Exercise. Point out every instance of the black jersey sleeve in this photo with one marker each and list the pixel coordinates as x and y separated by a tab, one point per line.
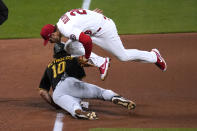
45	82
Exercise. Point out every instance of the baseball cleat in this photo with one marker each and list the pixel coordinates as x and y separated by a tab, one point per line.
86	115
160	60
124	102
104	68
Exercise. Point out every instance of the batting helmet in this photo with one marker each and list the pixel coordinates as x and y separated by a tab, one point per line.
59	51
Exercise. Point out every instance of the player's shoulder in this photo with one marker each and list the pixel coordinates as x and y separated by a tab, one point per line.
50	64
65	28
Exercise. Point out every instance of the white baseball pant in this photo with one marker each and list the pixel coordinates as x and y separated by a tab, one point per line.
108	39
69	93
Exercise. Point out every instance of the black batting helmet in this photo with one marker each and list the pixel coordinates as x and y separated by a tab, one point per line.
59	51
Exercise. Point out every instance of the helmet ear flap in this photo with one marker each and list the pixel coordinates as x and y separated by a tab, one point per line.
59	50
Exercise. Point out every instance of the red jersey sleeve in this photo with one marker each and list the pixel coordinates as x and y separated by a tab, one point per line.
87	43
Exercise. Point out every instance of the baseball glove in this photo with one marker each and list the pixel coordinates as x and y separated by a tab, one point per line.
84	62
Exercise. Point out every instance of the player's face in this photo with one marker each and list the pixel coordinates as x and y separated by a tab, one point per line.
55	37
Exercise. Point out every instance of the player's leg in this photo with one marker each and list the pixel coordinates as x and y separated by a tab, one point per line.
66	102
117	49
107	95
76	49
109	40
82	89
102	64
71	104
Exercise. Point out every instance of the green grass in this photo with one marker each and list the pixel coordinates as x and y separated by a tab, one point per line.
27	17
151	16
143	129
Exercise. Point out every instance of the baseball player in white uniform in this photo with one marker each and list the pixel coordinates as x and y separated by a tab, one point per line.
87	27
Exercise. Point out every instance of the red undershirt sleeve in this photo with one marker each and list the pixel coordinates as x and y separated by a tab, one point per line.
87	43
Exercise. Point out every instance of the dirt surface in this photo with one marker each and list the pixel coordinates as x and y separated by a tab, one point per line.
164	99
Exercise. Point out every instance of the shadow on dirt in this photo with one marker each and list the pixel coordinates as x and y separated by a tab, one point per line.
24	102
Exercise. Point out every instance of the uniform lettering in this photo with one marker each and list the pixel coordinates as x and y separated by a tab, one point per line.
65	18
59	60
78	11
60	68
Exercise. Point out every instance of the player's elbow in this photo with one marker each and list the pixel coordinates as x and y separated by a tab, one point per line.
84	38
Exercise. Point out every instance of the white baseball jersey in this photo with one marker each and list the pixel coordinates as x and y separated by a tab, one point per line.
72	23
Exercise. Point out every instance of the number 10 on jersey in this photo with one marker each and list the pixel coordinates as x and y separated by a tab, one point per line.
60	68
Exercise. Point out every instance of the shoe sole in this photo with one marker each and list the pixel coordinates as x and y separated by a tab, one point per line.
84	116
128	104
107	66
155	50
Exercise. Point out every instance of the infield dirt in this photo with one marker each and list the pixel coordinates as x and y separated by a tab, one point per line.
164	99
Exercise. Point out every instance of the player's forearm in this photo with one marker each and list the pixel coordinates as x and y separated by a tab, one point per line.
47	97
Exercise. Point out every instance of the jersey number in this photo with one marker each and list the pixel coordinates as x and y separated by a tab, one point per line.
60	68
78	11
73	12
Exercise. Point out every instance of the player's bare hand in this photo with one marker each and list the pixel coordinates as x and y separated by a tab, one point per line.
98	11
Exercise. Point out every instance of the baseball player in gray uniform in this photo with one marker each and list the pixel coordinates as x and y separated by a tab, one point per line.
87	27
64	74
